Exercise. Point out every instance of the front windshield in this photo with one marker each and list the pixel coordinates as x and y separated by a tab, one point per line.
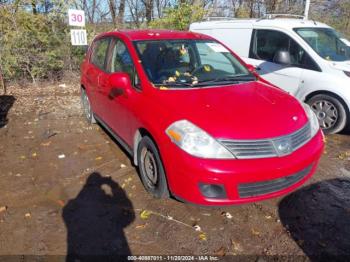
190	63
327	43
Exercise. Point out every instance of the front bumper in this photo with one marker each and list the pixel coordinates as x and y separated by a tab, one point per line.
282	174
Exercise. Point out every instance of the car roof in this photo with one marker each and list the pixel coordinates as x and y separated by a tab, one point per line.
286	23
156	34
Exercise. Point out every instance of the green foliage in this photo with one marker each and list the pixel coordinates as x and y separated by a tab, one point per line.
339	18
35	46
179	17
242	12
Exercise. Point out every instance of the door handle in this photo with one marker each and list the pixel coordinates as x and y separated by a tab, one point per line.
115	92
257	68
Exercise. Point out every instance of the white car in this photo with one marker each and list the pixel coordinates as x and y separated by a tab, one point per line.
308	59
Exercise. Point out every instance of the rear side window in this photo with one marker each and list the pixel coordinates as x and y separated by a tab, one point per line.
266	44
99	53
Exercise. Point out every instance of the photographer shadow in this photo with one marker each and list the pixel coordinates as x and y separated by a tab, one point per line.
95	220
318	219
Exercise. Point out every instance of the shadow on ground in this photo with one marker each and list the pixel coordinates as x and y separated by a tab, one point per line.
6	102
95	220
318	218
346	131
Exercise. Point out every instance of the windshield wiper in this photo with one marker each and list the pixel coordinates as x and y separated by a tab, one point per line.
175	84
229	79
223	80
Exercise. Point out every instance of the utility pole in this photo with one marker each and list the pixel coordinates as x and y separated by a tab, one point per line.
307	7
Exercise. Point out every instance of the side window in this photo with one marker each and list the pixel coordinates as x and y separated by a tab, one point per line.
99	52
121	61
266	44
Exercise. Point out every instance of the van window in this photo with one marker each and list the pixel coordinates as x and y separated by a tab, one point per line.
99	53
266	44
326	42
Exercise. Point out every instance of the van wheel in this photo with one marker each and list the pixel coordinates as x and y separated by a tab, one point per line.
87	107
151	168
330	111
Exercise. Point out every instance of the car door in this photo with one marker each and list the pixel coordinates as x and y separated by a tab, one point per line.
120	114
96	72
265	45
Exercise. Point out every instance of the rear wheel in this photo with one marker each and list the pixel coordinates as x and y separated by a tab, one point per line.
87	107
330	111
151	168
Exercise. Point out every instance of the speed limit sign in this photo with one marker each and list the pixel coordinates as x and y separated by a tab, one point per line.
78	37
76	17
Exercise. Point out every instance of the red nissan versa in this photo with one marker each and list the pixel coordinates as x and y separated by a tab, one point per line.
198	124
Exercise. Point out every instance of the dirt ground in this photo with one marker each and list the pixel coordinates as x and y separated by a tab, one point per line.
67	187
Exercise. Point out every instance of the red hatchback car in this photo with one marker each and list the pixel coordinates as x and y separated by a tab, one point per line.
197	122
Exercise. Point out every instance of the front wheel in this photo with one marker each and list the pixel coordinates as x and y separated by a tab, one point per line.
87	107
151	168
330	111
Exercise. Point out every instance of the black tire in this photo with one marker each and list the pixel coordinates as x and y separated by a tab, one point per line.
147	157
89	114
329	108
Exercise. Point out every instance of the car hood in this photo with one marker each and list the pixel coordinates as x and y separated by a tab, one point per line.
244	111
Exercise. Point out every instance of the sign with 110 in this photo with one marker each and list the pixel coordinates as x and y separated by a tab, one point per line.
78	37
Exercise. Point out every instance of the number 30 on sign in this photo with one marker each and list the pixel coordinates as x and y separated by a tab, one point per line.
78	36
76	17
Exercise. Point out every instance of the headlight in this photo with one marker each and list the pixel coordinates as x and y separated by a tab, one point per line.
195	141
312	119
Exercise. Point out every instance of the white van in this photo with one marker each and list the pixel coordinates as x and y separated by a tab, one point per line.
308	59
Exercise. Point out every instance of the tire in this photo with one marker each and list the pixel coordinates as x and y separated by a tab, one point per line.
89	114
151	168
330	111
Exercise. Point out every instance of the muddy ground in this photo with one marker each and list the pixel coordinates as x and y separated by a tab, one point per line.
66	186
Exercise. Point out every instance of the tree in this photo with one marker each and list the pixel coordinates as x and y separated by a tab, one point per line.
136	12
148	4
112	11
179	17
31	45
121	12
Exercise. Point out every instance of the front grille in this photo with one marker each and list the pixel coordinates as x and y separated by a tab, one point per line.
250	149
262	148
300	137
265	187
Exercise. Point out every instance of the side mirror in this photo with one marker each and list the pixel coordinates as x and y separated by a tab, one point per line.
118	82
282	57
